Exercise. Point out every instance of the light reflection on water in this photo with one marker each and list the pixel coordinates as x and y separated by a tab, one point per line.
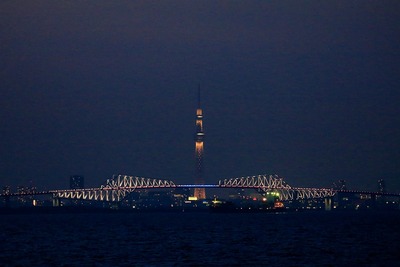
182	239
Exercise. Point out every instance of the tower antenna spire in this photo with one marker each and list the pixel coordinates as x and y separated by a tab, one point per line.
199	97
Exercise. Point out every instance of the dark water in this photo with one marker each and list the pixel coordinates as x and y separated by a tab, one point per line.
201	239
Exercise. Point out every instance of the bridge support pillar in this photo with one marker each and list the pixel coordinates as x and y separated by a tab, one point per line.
56	202
328	203
296	202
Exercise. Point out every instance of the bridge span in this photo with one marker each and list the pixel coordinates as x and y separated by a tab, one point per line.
119	186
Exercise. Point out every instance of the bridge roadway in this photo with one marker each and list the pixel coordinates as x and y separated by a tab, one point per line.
50	192
118	187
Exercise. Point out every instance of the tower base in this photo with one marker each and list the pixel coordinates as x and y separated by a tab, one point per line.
199	193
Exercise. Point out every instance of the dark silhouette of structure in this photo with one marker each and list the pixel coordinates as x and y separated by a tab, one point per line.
381	186
199	193
340	185
76	182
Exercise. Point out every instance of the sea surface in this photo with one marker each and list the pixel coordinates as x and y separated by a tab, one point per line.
201	239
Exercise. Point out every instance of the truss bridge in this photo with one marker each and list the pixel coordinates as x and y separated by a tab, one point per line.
115	189
119	186
275	183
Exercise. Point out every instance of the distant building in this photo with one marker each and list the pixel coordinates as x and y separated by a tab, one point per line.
5	201
76	182
26	195
340	185
381	186
6	190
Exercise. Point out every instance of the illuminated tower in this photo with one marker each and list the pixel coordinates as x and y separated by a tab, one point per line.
200	193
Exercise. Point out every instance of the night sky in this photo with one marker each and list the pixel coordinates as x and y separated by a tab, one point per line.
308	90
